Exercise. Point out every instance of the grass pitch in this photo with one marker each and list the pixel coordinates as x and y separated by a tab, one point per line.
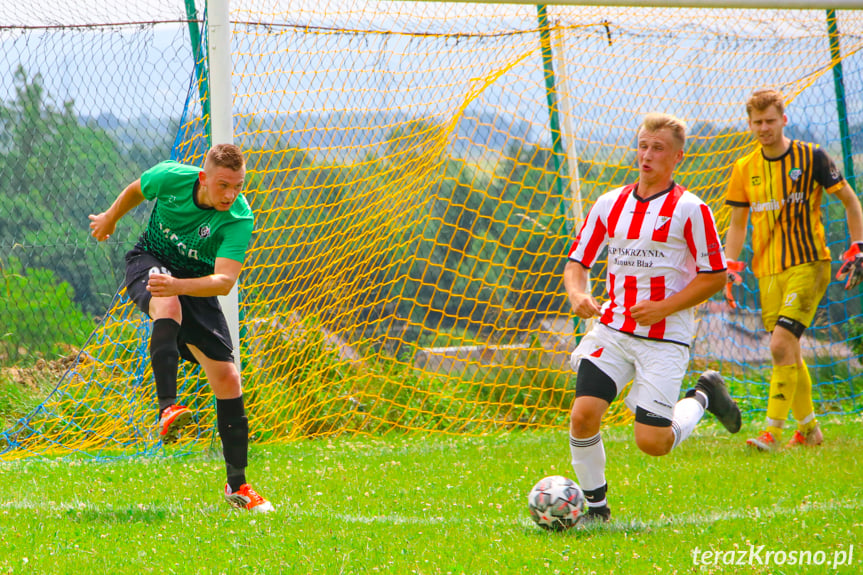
432	504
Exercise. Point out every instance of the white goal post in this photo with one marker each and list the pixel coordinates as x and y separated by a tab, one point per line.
222	125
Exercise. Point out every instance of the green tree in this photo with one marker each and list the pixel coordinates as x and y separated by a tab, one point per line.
37	315
59	171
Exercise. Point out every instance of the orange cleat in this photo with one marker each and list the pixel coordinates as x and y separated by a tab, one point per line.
247	498
814	437
174	419
764	442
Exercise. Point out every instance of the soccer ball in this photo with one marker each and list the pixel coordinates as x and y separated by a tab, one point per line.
556	503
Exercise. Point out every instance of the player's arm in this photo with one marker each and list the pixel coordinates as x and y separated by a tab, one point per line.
103	225
736	235
851	270
825	172
853	212
702	286
575	281
220	282
734	239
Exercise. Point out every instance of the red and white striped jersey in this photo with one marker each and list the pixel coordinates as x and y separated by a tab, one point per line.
655	248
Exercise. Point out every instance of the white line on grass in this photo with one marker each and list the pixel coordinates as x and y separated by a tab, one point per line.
752	513
462	517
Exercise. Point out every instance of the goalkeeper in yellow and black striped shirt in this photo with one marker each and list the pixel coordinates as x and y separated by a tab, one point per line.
779	186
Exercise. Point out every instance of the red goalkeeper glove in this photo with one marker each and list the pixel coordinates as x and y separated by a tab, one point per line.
851	269
735	268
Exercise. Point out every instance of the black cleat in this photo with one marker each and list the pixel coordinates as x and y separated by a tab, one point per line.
719	401
596	516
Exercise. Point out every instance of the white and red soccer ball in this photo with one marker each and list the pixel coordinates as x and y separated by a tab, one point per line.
556	503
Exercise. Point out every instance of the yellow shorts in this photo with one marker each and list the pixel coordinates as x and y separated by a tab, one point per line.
794	293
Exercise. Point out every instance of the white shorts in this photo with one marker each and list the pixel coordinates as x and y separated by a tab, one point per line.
655	368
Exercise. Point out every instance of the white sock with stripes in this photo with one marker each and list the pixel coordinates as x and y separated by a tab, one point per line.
588	462
687	413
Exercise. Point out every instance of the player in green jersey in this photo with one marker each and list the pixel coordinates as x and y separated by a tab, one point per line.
191	252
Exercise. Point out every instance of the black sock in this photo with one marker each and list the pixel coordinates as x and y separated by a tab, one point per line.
165	358
595	496
234	431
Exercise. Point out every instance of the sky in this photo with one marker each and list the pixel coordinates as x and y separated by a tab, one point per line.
432	65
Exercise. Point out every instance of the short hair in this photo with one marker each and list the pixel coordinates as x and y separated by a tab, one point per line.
762	99
225	156
655	121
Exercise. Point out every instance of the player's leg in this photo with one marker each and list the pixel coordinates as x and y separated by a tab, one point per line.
772	289
658	432
601	366
166	313
167	316
789	302
231	417
206	336
659	371
661	421
594	391
785	352
808	431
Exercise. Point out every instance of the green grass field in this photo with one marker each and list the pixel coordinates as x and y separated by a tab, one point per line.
432	504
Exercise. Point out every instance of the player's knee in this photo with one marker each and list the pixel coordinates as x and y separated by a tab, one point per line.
653	432
231	384
166	307
584	420
655	445
594	391
226	383
785	340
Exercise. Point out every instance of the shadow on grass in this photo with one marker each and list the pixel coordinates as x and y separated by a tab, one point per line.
580	532
131	514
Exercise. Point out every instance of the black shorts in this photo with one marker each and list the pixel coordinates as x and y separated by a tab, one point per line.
204	324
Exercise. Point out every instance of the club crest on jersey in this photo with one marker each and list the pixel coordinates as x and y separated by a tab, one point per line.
794	174
756	180
204	231
661	221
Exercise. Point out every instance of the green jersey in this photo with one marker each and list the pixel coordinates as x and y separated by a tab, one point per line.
184	235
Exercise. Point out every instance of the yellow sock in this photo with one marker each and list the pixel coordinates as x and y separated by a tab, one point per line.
802	406
775	431
783	384
808	426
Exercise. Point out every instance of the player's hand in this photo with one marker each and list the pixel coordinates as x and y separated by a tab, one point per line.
735	268
647	312
584	306
162	285
101	226
851	269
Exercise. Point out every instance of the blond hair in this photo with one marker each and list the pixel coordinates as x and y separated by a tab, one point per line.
762	99
655	121
225	156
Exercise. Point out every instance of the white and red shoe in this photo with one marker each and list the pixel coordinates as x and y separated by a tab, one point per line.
764	442
172	422
814	437
247	498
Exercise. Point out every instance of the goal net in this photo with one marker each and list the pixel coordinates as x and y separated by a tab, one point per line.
418	171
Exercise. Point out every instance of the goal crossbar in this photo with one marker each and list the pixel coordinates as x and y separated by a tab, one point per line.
718	4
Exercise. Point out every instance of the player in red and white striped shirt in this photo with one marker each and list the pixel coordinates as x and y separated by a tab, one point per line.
664	258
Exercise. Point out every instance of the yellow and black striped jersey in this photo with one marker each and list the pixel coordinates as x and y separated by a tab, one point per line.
784	199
